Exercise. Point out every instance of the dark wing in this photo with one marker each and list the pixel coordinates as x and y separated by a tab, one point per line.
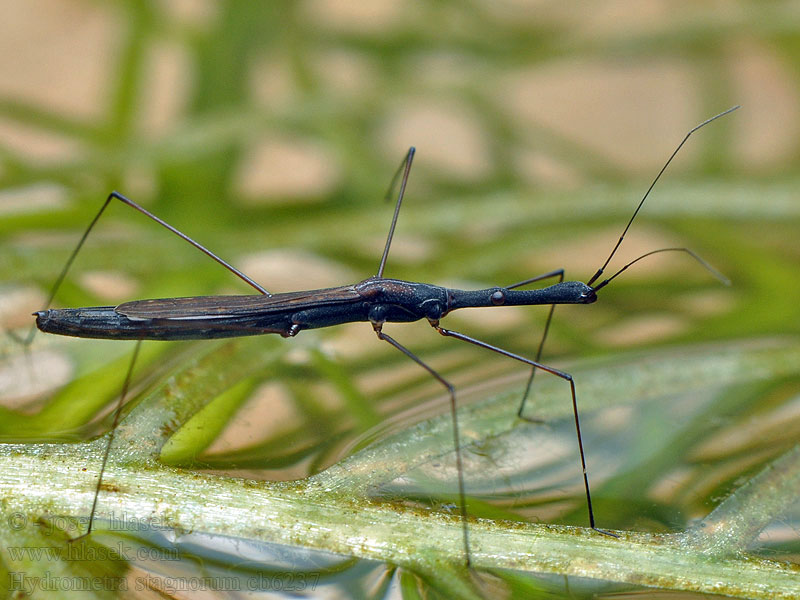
213	307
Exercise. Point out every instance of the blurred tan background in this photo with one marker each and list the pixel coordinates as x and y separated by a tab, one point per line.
269	132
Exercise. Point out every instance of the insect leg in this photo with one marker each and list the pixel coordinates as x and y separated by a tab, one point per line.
116	196
557	273
186	238
565	376
456	443
117	413
405	168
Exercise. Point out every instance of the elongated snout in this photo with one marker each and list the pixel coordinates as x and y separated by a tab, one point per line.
566	292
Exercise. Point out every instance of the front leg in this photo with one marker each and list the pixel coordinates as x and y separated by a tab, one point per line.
565	376
559	273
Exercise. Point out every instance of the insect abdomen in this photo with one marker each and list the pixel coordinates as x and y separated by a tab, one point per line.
104	322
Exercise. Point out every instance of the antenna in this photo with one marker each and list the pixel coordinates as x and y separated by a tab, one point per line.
724	280
647	193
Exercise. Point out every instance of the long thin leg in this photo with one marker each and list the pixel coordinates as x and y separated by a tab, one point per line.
111	434
557	273
566	376
60	279
462	500
186	238
112	196
405	167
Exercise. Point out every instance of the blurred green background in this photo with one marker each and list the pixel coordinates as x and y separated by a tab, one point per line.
269	132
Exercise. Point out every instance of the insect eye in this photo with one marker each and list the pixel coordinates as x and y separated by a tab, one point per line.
498	298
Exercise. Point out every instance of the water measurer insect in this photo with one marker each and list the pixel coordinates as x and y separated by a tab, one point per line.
377	300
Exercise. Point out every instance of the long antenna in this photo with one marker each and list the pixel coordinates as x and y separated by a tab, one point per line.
407	164
652	185
722	279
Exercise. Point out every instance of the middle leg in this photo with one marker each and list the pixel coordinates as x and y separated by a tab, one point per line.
462	501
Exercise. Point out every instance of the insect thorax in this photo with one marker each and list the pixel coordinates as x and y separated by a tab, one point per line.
395	300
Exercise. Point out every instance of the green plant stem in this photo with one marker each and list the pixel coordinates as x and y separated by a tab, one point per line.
305	514
333	511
